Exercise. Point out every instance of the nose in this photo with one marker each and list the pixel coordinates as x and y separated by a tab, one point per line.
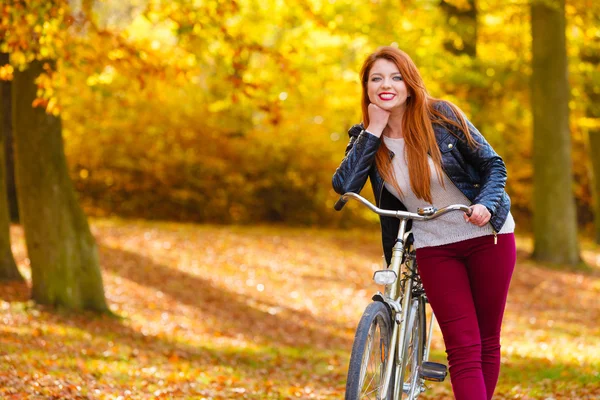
386	83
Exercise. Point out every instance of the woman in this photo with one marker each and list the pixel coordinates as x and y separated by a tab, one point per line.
419	152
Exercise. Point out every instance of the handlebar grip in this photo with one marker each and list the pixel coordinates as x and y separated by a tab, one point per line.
340	204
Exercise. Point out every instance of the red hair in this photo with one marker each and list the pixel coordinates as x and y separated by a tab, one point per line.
417	124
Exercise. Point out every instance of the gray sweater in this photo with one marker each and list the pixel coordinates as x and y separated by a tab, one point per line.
449	228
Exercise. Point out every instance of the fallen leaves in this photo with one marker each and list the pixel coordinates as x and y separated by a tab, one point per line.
224	312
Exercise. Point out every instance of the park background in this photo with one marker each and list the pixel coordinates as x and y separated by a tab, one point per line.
200	138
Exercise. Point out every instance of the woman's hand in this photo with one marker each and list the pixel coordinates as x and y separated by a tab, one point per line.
479	215
378	119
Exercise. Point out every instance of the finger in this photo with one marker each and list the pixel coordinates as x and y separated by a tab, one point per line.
476	219
484	221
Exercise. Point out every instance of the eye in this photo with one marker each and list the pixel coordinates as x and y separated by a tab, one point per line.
398	78
375	79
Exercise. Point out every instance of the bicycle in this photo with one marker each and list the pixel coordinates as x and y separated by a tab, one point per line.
391	343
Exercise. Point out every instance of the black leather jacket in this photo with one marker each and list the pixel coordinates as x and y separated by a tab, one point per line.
478	172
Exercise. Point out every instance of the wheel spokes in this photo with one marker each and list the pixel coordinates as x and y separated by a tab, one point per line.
372	366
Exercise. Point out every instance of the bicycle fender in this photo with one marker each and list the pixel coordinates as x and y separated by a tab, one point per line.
378	297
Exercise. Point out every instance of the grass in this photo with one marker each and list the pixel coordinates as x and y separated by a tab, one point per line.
265	312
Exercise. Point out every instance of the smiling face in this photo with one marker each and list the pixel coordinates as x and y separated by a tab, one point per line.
385	86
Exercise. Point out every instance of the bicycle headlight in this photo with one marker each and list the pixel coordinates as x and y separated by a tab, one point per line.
384	277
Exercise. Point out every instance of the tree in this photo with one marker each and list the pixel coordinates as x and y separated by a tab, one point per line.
462	24
591	57
461	42
64	259
8	268
8	146
554	213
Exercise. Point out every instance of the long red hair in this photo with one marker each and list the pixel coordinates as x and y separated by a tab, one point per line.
417	124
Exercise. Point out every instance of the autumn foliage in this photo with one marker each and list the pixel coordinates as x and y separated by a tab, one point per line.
235	112
230	111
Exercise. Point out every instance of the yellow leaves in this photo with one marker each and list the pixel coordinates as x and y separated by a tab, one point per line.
106	77
36	31
31	19
220	105
92	80
462	5
18	57
256	65
46	97
492	20
6	72
116	54
39	103
569	9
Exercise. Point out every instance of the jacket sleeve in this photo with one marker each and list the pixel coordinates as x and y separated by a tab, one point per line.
485	160
353	171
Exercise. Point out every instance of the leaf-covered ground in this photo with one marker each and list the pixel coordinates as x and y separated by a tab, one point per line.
221	312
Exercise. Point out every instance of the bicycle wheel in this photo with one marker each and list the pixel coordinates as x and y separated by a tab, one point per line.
413	350
369	355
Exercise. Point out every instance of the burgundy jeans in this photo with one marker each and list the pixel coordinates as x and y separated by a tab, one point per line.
467	284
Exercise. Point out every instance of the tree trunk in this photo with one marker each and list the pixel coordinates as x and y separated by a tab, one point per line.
591	54
594	143
8	268
64	258
554	213
463	24
8	146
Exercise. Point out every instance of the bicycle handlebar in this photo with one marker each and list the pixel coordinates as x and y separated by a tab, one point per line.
422	214
340	203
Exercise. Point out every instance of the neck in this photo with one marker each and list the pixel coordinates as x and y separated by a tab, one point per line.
394	126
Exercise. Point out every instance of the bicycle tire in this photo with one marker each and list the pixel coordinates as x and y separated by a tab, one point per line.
415	339
376	318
